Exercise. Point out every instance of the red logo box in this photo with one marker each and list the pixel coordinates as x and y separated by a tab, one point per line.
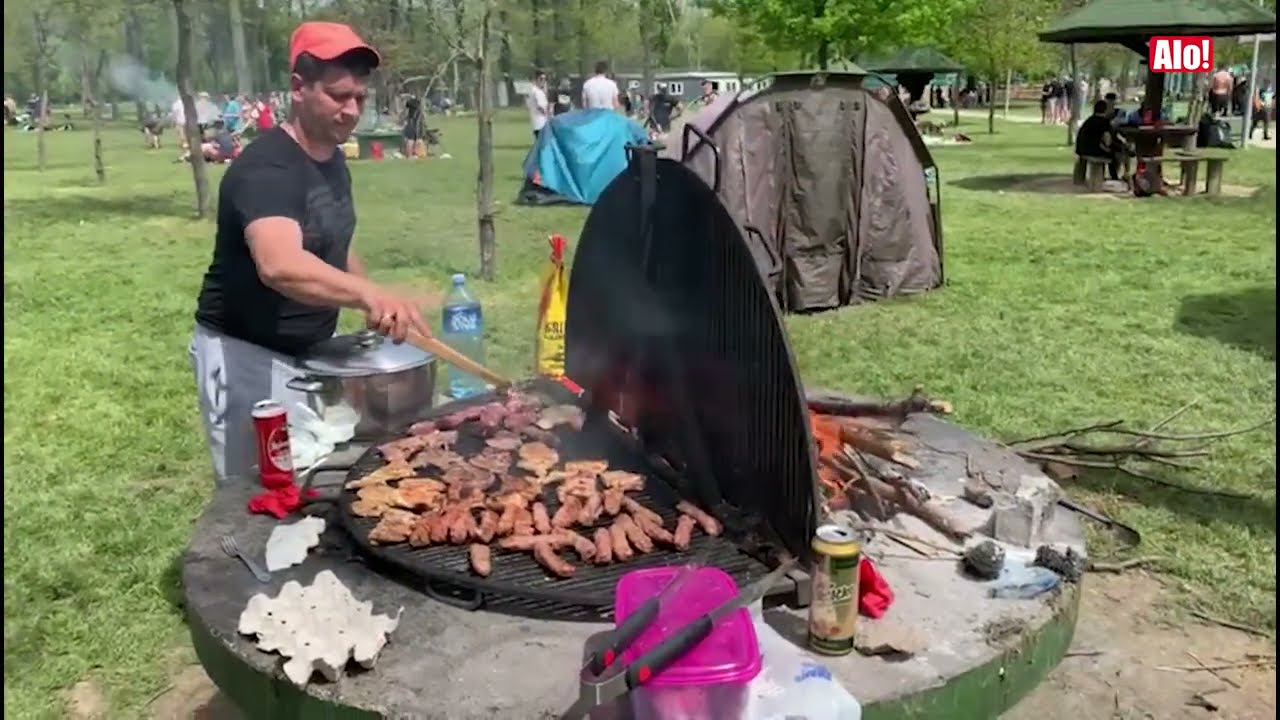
1180	53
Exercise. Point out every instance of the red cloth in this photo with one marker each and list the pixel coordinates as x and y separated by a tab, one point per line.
279	502
874	594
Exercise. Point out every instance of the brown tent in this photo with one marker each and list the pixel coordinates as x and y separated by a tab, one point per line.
829	181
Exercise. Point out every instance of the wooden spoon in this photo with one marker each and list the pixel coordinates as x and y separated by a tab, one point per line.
455	358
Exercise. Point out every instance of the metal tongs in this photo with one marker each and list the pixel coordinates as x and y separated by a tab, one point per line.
600	683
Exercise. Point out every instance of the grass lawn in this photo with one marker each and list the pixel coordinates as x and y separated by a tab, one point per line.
1059	311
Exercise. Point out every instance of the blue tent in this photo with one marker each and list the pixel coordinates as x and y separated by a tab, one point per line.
577	154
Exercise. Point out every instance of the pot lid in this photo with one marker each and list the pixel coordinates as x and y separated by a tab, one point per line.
362	353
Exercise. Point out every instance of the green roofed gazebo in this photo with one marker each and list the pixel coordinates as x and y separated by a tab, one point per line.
1132	23
913	67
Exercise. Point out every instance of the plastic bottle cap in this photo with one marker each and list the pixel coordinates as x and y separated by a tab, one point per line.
459	279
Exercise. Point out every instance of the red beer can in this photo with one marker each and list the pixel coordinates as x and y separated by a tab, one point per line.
275	458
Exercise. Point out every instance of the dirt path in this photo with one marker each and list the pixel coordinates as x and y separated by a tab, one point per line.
1121	620
1121	641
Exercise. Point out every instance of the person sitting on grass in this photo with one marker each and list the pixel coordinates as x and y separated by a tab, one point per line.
1097	138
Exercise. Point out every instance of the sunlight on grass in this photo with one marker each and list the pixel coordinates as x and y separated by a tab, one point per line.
1058	312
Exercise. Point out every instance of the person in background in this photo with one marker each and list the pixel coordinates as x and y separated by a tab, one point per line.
1220	85
1046	103
1098	138
1263	106
662	109
709	92
231	110
282	262
413	147
537	103
266	114
599	91
564	98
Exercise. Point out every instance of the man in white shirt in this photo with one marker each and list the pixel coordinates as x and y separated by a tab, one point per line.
536	101
599	91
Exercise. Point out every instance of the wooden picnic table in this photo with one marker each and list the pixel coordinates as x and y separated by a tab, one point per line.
1149	143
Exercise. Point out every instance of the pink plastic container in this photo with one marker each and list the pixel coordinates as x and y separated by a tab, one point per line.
710	681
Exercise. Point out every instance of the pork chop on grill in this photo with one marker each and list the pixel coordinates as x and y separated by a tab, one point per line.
438	457
395	526
383	475
492	459
623	480
504	440
557	415
538	458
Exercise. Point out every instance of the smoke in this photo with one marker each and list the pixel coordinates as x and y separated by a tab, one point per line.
132	78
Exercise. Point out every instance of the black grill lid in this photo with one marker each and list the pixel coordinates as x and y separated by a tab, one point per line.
670	325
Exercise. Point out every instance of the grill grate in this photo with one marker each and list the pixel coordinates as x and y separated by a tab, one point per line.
518	584
670	325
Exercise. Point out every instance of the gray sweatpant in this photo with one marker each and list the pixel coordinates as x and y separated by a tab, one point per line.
232	375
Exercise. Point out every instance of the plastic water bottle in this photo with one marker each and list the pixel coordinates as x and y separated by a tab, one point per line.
463	330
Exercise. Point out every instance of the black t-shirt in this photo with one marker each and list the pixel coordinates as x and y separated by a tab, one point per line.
1055	89
273	177
660	107
1089	136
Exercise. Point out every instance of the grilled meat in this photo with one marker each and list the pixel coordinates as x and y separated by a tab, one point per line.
622	480
654	530
394	526
586	467
709	525
524	543
383	475
585	548
438	457
413	493
492	459
570	508
487	528
541	520
538	458
683	535
604	547
547	558
637	510
613	499
621	547
481	559
524	521
556	415
638	538
504	440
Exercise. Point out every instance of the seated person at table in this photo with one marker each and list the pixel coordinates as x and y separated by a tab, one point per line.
1097	138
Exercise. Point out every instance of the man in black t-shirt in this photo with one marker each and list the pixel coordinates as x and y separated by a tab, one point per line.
282	259
1097	138
662	108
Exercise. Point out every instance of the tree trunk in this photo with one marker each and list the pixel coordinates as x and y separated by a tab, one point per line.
537	41
1073	97
244	75
42	90
584	39
484	151
991	105
559	37
133	46
1008	90
824	55
504	57
646	63
91	77
86	95
192	127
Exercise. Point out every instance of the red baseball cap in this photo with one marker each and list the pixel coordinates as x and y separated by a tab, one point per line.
328	41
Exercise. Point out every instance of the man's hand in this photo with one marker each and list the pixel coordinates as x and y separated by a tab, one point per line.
393	314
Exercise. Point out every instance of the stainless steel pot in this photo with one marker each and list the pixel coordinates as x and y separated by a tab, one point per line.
389	386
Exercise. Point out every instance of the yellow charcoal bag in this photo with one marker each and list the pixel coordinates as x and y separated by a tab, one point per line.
552	310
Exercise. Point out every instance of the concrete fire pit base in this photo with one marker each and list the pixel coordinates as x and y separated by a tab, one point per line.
981	655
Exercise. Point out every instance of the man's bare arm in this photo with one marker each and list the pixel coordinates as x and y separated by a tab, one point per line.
286	267
355	265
